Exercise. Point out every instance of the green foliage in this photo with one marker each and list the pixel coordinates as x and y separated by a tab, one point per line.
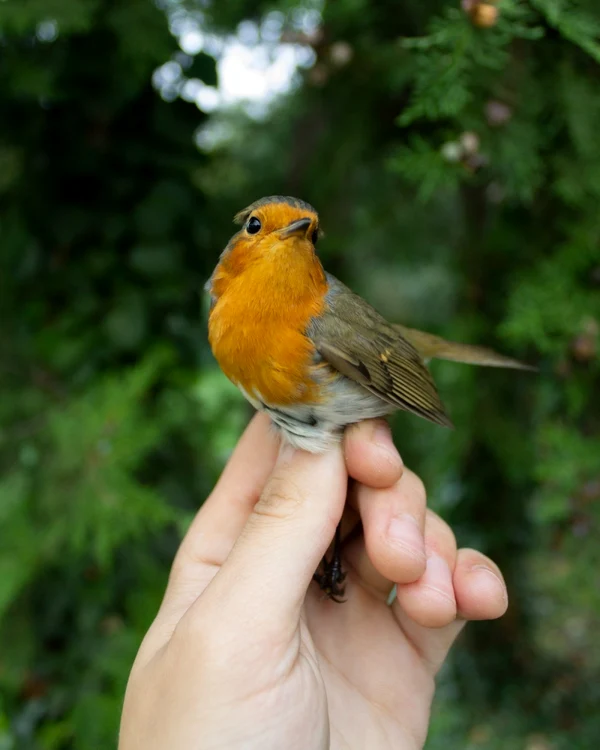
450	60
573	23
426	167
25	17
457	173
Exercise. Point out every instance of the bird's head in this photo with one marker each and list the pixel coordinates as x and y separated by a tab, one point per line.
268	222
278	236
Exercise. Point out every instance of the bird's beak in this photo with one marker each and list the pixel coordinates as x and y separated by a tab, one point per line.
296	228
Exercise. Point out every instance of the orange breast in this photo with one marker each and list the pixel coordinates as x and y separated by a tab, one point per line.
257	327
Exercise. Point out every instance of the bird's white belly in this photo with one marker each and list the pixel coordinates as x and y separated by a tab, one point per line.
317	427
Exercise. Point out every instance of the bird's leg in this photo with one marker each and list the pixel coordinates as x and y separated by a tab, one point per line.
331	580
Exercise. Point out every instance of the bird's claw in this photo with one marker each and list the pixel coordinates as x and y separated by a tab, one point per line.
331	580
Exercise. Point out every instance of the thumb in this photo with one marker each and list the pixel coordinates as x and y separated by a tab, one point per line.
272	563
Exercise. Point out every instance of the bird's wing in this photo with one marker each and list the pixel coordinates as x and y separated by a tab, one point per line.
360	344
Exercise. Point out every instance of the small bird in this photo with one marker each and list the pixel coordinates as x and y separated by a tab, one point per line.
304	348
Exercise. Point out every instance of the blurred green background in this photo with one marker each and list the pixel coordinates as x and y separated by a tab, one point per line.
454	155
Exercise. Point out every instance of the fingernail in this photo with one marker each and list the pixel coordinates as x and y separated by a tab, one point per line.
405	530
498	582
286	452
382	438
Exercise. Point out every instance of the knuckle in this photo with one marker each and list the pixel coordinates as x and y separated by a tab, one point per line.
280	499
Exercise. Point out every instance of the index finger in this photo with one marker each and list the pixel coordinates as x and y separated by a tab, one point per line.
371	456
220	520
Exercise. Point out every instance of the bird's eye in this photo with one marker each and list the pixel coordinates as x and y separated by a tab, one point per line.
254	225
315	236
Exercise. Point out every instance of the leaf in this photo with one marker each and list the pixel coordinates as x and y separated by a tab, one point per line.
573	23
426	167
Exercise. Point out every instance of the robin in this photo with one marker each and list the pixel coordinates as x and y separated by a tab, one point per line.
304	348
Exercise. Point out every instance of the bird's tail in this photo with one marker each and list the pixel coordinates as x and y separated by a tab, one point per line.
434	347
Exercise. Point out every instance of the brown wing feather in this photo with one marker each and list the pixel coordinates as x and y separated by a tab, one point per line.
358	342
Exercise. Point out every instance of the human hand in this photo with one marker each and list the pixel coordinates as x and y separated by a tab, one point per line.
246	652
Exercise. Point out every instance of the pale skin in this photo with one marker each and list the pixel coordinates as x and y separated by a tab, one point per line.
246	654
